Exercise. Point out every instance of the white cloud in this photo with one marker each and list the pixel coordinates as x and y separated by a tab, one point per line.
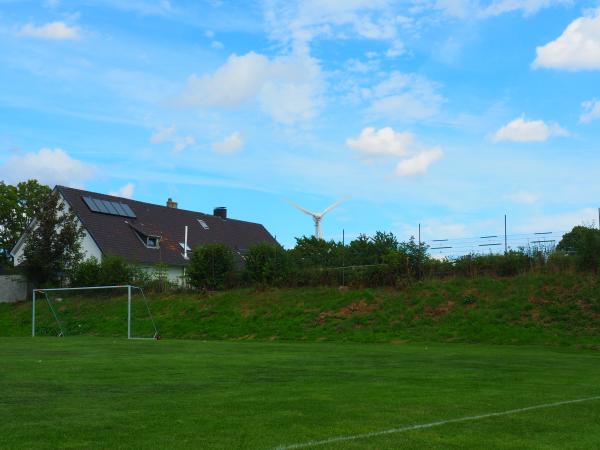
397	49
287	87
562	221
230	144
49	166
464	9
405	97
521	130
301	22
125	191
528	7
162	134
418	164
217	45
523	197
51	30
577	48
387	142
382	142
591	111
169	134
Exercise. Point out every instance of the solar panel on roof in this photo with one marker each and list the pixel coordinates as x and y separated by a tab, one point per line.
90	204
108	207
119	209
128	210
100	206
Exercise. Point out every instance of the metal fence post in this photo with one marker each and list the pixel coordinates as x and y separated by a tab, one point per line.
129	312
33	316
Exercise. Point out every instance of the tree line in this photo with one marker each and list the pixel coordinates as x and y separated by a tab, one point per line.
53	255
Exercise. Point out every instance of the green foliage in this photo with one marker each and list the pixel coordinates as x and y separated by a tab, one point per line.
584	243
18	206
111	271
266	264
313	252
211	266
53	244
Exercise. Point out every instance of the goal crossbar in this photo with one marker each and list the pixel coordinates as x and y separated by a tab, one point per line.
129	288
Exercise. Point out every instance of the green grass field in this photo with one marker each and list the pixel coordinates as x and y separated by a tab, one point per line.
100	393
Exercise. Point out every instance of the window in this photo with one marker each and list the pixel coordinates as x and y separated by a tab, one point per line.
186	248
152	242
203	223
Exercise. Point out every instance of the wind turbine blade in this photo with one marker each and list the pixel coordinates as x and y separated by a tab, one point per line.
305	211
335	205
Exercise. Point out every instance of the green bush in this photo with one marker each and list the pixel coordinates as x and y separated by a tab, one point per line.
211	266
266	264
111	271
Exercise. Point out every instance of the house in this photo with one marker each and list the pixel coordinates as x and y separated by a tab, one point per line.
146	234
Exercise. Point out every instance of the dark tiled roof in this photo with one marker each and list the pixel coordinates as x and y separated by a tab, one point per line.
116	235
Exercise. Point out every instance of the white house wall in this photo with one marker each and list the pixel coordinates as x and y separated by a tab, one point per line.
174	273
88	245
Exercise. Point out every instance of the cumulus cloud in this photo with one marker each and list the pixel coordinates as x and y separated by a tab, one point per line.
125	191
404	96
230	144
577	48
386	142
169	135
522	130
418	164
591	111
49	166
382	142
241	79
51	30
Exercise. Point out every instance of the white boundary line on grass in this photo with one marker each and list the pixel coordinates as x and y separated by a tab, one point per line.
429	425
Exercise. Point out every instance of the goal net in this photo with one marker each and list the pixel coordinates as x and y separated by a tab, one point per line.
93	310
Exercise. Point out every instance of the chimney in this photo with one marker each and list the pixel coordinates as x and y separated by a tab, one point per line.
220	211
171	203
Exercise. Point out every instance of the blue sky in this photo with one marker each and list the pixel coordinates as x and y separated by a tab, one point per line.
448	113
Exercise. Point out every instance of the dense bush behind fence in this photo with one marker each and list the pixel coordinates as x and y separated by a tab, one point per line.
366	262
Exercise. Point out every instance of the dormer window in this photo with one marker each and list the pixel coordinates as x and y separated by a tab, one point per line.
152	241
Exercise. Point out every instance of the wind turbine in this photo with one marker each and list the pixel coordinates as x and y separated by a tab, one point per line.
317	217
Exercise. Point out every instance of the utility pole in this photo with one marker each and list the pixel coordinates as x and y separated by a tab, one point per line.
505	241
343	253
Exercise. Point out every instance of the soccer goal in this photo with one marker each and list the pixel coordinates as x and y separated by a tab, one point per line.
71	310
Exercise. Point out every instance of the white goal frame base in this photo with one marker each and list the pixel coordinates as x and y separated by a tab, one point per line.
129	288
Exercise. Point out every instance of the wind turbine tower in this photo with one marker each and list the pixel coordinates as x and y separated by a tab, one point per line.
317	217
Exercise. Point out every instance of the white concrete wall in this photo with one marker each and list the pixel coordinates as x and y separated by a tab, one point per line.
174	273
13	288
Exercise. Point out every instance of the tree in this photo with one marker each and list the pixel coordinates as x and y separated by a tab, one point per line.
266	263
211	266
584	242
53	243
314	252
18	206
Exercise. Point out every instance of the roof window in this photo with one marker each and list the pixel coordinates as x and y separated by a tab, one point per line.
203	223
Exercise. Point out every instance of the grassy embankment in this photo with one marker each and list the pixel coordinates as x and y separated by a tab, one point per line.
530	309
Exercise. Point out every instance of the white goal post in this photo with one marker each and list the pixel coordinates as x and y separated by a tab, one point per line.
129	288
